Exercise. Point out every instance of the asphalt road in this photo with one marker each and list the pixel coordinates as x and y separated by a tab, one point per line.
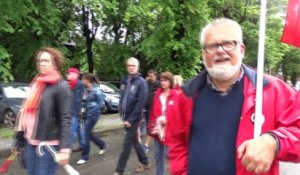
98	165
105	164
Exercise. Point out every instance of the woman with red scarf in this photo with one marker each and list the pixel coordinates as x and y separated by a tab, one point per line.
45	116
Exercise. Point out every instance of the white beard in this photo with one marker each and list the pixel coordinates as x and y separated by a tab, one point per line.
223	72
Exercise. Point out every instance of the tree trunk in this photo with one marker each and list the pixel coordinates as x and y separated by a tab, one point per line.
89	54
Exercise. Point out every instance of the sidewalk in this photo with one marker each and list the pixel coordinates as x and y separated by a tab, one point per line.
106	123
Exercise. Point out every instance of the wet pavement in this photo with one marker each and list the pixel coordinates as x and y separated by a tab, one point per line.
109	128
99	164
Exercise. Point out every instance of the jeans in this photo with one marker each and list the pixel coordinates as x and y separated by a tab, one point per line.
89	124
76	130
160	151
44	165
144	122
131	139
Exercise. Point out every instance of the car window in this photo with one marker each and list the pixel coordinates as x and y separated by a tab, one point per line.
16	91
108	88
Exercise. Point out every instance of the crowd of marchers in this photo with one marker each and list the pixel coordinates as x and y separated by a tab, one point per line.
205	126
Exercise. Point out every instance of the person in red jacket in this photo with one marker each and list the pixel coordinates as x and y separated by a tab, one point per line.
162	111
213	130
178	82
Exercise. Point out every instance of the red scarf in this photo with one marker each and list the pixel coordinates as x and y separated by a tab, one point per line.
32	102
72	83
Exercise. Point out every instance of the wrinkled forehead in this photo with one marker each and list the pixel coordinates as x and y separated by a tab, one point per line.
45	56
132	62
221	32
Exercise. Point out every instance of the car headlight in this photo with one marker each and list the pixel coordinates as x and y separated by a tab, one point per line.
115	100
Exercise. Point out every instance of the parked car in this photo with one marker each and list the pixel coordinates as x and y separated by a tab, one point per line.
112	97
11	97
115	83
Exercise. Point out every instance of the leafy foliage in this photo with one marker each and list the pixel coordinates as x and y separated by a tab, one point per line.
291	64
162	34
28	26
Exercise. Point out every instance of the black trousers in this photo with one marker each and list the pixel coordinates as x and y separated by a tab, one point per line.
131	139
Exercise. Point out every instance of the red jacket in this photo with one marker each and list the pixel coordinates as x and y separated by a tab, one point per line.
281	108
156	111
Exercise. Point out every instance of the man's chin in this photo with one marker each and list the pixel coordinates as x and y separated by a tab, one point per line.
223	72
221	75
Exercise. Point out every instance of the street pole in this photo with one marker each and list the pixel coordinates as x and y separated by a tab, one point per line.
259	117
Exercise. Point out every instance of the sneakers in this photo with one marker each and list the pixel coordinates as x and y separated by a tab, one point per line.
145	148
142	168
102	151
117	173
81	161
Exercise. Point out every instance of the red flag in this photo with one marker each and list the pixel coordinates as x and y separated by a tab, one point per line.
291	32
6	164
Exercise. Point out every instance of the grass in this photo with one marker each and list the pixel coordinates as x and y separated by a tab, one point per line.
6	133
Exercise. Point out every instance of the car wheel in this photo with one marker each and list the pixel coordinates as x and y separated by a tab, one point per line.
9	118
105	109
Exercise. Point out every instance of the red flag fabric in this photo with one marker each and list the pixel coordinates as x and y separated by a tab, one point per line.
6	164
291	32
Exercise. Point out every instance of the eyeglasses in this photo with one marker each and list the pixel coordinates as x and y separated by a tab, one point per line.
227	46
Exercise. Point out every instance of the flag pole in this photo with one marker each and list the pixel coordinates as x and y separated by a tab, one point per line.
259	118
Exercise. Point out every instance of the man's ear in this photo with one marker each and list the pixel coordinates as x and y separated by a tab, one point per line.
243	49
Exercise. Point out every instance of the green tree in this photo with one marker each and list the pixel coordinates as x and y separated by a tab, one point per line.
28	26
125	25
11	14
162	34
88	18
174	42
291	64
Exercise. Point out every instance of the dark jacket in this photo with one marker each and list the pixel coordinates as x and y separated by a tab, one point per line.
95	101
53	117
133	98
76	98
152	87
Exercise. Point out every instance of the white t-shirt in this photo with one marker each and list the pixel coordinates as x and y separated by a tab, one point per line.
163	101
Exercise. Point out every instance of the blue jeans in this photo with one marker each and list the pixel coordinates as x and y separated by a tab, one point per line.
89	124
44	165
160	151
144	122
76	131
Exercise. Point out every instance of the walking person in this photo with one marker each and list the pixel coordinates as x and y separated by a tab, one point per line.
77	88
45	116
178	82
93	103
133	98
162	112
213	133
153	85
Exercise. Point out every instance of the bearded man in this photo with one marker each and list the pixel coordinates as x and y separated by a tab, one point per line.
213	133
